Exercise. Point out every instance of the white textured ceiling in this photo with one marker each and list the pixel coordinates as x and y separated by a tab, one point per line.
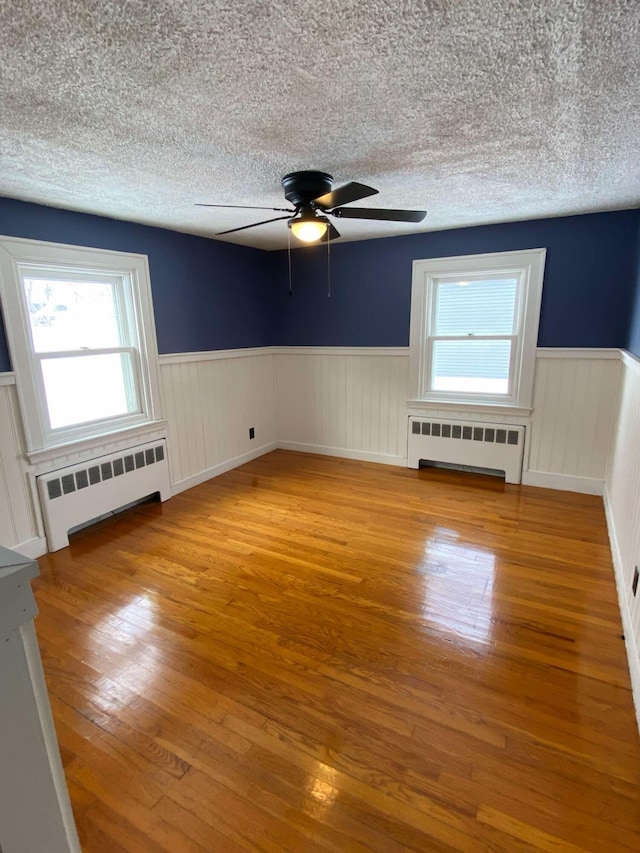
479	110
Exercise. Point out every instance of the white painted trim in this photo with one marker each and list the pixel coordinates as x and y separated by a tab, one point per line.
527	266
358	351
33	548
222	468
133	270
343	453
630	360
96	444
274	388
419	407
212	355
633	654
580	352
7	378
48	735
563	482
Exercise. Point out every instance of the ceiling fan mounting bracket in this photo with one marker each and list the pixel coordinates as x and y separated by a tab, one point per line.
301	188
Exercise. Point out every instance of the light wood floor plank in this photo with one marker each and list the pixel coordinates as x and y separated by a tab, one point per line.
315	654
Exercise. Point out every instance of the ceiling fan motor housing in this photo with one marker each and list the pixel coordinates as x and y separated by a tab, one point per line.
301	188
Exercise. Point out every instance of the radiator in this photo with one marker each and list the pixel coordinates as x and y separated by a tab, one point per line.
80	493
478	445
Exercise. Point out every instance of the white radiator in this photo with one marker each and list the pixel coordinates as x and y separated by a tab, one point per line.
80	493
478	445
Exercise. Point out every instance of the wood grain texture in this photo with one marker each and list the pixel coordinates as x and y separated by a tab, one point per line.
311	654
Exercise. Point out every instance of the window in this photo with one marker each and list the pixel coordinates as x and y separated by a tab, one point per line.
82	339
474	327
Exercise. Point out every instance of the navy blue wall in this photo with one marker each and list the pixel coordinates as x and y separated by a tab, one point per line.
213	295
587	296
206	294
633	343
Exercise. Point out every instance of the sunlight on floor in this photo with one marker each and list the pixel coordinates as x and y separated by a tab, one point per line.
458	587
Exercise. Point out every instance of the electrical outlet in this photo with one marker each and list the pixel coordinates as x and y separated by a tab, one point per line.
252	432
634	585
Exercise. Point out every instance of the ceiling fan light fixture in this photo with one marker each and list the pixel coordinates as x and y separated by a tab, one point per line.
313	198
309	228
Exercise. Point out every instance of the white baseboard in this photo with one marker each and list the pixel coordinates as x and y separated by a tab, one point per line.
33	548
633	653
342	453
563	482
223	467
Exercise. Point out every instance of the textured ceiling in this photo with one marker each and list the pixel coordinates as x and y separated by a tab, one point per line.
479	110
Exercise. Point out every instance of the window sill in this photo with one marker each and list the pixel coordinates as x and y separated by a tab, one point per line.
58	455
419	406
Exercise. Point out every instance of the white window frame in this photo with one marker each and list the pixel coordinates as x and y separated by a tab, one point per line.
130	273
527	267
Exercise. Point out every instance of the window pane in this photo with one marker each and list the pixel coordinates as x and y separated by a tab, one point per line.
68	315
87	388
477	367
475	307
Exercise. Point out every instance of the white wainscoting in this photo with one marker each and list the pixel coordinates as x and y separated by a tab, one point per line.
211	399
210	402
344	402
353	402
575	396
19	523
622	504
340	402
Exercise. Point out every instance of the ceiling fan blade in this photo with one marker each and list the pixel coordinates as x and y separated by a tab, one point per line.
331	233
253	225
248	207
344	195
382	214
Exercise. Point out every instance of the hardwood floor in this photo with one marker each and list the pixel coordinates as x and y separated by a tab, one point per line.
313	654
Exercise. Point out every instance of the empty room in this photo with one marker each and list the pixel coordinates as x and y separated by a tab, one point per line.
320	427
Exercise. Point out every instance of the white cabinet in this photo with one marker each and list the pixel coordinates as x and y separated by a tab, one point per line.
35	812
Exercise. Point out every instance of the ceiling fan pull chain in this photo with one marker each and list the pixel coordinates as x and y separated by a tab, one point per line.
328	266
289	258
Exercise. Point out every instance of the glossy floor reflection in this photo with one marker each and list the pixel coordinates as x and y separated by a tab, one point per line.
313	654
458	587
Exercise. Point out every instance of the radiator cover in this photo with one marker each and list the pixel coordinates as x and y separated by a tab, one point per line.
479	445
82	492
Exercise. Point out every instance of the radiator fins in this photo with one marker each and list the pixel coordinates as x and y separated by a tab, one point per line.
96	474
466	433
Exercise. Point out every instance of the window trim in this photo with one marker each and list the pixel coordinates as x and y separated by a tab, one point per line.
133	269
528	265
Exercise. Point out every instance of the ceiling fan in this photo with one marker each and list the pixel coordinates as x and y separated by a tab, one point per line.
313	198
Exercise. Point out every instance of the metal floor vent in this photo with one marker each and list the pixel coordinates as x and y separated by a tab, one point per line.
491	446
80	493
